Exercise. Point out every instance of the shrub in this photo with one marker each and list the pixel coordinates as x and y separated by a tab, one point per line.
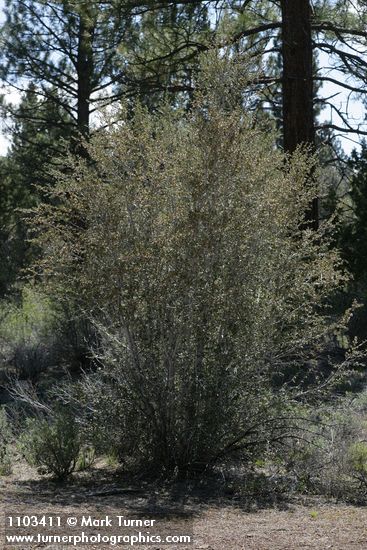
182	237
5	441
37	335
330	455
52	444
86	459
357	459
27	333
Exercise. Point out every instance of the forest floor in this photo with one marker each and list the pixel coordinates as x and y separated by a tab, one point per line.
218	522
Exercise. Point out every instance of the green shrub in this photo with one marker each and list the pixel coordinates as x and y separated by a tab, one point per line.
5	441
28	319
36	335
182	238
27	334
357	460
52	444
330	455
86	459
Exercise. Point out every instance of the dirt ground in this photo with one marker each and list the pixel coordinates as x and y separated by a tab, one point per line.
216	523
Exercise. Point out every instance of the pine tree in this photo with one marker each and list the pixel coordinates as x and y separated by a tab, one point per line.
68	46
41	133
353	235
94	53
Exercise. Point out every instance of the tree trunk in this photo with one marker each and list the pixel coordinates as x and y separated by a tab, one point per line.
85	68
298	112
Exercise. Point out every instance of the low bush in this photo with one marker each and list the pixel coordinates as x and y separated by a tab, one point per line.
330	455
37	336
28	334
86	459
357	461
5	442
53	444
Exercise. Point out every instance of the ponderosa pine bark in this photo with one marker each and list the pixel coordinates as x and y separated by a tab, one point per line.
85	70
297	81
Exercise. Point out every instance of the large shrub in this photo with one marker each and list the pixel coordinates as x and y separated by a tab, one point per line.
182	237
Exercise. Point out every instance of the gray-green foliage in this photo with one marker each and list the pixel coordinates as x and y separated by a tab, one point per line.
329	456
36	336
52	443
5	441
182	239
28	334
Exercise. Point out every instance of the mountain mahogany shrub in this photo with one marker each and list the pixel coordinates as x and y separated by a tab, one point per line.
181	238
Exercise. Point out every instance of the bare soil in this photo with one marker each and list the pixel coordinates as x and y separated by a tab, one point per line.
218	522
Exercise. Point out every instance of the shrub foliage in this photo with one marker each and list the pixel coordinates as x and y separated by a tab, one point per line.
52	444
182	238
5	442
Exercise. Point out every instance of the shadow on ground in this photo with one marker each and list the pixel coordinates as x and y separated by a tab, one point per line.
101	488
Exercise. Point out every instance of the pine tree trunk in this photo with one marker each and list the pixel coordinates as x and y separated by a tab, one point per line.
84	73
298	111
